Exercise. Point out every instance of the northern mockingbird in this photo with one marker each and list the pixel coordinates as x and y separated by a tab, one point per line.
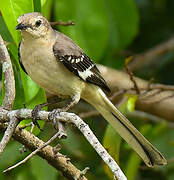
61	67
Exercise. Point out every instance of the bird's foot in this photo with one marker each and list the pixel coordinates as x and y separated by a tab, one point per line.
60	126
35	115
53	117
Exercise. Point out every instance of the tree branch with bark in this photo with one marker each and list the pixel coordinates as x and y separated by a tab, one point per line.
156	99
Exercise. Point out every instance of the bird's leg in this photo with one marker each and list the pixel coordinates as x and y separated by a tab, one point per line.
52	115
36	110
75	100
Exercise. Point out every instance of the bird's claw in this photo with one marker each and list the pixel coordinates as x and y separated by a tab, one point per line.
52	117
35	116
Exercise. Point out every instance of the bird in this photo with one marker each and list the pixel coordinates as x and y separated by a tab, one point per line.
59	66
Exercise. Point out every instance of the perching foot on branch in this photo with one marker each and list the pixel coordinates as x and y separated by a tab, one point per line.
37	108
56	112
35	112
60	126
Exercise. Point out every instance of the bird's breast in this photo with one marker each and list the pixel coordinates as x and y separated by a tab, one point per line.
48	72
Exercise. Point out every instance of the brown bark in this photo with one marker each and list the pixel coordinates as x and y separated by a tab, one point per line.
159	100
59	161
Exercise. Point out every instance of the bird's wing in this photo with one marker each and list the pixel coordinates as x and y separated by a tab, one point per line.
73	58
19	56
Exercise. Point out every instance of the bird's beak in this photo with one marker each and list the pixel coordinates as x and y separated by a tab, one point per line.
21	26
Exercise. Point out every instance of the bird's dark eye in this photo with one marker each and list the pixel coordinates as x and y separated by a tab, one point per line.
38	23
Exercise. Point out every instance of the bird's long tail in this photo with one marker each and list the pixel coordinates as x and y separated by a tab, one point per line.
149	154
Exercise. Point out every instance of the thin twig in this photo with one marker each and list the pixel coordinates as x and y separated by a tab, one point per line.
131	75
61	23
33	153
8	133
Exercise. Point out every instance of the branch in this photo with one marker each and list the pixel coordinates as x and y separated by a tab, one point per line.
158	99
33	153
147	57
9	93
8	133
83	127
9	77
142	116
129	72
60	162
61	23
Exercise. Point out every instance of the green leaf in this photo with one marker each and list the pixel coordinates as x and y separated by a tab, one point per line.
38	99
46	9
133	164
19	98
37	6
131	102
7	154
30	87
123	27
124	19
11	10
41	170
91	30
76	148
111	142
43	2
4	31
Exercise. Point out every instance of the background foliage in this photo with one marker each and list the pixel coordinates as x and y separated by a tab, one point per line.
105	29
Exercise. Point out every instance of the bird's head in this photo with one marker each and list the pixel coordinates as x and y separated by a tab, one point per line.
33	23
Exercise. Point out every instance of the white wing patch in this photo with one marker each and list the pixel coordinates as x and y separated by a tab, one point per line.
79	64
85	74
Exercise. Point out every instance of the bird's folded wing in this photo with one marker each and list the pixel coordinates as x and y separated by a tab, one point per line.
78	62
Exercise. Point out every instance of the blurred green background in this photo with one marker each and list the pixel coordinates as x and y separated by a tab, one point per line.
108	31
